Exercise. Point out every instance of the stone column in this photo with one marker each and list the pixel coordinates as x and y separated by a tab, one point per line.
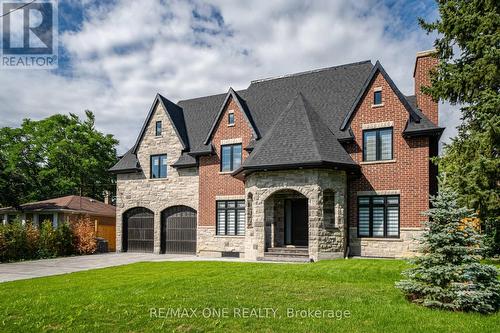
119	230
157	232
315	208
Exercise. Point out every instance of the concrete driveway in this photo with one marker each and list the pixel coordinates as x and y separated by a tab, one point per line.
46	267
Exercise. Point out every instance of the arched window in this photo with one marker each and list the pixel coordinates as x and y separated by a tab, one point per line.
329	207
249	210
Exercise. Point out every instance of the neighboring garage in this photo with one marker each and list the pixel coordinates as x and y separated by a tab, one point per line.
178	230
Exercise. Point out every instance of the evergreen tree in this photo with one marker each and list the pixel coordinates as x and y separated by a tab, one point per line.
448	274
468	73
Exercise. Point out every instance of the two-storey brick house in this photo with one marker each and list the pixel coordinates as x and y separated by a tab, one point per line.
320	164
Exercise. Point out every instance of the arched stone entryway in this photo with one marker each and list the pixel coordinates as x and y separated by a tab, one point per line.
286	219
324	191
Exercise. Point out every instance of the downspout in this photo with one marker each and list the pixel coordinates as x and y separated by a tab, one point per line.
347	208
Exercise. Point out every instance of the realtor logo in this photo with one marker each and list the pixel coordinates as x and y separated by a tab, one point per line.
29	34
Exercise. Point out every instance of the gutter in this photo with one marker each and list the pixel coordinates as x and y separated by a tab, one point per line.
348	218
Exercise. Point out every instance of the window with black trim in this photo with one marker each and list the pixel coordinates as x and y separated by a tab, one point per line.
378	216
158	128
231	218
158	166
230	157
230	118
377	144
377	97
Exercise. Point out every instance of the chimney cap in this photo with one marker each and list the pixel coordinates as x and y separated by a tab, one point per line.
426	53
422	54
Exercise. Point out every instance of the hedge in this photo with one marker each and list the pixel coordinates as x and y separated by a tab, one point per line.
25	242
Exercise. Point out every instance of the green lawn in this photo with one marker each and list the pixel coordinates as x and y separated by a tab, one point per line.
120	299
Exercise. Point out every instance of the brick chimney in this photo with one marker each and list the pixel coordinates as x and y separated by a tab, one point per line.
107	198
424	62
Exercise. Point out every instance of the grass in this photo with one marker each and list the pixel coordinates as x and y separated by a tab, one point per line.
119	299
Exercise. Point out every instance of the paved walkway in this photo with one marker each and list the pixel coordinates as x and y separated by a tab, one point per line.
46	267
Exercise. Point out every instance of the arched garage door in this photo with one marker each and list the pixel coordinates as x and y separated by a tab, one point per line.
138	230
178	230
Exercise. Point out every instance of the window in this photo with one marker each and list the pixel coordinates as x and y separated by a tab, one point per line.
378	216
377	97
42	218
230	118
329	207
11	218
159	166
231	218
231	157
158	128
377	145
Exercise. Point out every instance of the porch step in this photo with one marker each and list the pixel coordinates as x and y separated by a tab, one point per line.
268	257
286	254
289	250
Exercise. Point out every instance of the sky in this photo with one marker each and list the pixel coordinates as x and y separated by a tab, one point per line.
114	56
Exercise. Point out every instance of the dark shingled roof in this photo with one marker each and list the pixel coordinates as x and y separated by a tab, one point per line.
331	93
128	163
298	137
185	161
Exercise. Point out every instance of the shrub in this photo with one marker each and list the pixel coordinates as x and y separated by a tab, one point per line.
48	241
16	241
33	239
64	240
3	244
448	274
84	236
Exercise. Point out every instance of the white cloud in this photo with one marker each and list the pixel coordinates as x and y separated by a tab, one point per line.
126	52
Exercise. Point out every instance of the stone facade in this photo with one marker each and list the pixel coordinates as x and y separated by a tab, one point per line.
326	239
139	190
404	246
212	245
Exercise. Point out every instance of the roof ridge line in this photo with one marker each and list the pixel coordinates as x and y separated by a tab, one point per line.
308	72
213	95
265	138
315	140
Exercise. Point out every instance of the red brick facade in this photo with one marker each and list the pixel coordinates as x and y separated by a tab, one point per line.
213	182
407	173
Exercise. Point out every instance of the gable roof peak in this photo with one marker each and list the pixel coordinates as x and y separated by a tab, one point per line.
378	68
176	116
231	93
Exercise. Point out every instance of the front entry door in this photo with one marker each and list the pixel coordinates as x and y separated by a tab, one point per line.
296	229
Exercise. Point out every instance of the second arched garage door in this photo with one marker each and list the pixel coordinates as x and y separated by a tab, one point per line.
178	230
